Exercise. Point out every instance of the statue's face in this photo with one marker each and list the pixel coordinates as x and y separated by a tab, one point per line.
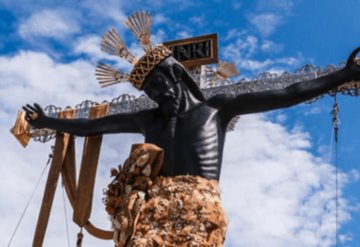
164	91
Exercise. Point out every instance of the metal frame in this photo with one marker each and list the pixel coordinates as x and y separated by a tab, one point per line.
213	38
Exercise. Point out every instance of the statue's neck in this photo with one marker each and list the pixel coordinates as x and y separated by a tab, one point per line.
188	100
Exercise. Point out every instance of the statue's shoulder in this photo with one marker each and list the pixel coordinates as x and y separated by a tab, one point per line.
148	113
150	116
217	101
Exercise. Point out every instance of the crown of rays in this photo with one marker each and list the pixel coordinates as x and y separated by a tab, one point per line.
140	25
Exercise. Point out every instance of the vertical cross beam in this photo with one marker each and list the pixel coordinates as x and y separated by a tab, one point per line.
61	145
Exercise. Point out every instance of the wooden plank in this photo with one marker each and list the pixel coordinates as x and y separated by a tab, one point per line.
68	174
50	188
97	232
61	145
91	151
21	129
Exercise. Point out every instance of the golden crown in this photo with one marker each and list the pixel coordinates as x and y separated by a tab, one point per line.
140	25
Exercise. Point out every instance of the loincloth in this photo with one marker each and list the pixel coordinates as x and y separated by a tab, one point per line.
164	211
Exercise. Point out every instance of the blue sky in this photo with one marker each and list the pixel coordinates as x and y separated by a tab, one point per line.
278	189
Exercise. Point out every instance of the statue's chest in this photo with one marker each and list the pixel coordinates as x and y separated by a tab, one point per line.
186	131
190	141
196	125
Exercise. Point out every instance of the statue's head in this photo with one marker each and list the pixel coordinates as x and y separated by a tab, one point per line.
157	73
167	84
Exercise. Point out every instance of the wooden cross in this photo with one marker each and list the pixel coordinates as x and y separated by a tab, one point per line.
193	52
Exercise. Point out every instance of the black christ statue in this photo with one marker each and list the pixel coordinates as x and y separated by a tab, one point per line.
190	128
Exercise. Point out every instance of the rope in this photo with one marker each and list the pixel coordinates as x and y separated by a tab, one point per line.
80	237
31	196
329	161
336	123
337	195
65	213
334	139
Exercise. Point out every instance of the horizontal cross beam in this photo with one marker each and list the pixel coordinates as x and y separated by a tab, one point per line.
211	85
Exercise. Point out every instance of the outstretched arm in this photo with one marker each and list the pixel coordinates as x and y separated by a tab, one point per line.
124	123
231	106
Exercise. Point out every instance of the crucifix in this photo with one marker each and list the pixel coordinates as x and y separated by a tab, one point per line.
186	122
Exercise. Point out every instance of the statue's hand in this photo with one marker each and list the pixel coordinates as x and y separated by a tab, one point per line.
353	66
35	116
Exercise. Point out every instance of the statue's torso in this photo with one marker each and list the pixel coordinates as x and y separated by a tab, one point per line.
192	141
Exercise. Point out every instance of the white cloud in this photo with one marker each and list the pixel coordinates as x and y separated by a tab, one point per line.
105	9
265	23
158	37
183	35
271	47
117	15
57	24
198	20
312	110
160	19
276	192
90	46
280	6
269	15
281	118
243	48
236	4
355	175
34	77
260	65
184	4
244	45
